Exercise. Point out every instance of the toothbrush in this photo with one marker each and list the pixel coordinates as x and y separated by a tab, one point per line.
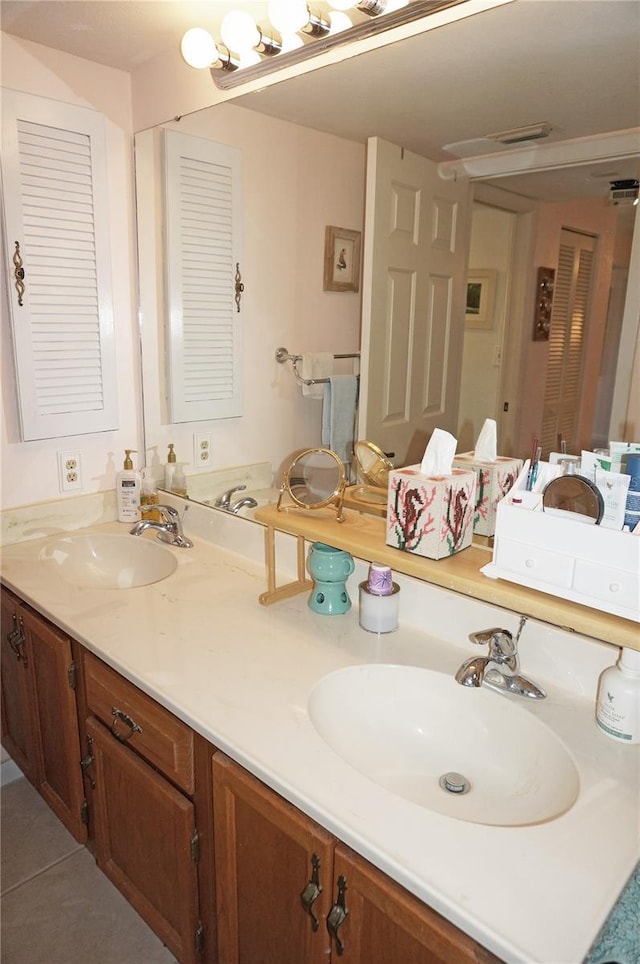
533	465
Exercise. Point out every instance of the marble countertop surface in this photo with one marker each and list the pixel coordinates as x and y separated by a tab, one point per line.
241	674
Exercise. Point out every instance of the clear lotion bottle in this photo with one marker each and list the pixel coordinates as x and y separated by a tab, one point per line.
618	702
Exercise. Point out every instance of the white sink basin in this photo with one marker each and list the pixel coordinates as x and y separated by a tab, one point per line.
103	561
405	728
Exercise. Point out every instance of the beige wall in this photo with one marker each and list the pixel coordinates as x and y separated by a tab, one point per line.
30	469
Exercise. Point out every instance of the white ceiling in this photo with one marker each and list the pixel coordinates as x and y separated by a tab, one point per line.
573	63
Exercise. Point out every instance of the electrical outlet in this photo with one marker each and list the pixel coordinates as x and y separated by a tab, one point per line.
69	471
202	452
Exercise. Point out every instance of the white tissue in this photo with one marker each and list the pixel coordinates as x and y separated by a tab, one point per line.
439	453
487	443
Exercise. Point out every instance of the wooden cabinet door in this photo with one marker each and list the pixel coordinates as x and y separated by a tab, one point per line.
144	830
60	779
19	718
265	854
385	924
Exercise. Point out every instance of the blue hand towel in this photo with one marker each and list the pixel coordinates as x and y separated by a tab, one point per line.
339	415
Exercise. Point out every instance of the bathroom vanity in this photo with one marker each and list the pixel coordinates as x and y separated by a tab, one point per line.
216	806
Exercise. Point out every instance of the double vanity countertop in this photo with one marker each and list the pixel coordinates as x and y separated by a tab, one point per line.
241	675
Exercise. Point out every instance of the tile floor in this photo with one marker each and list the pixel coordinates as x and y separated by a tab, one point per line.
56	906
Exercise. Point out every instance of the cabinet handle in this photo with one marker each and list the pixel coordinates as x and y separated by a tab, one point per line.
239	287
88	760
312	891
18	273
337	915
126	719
16	639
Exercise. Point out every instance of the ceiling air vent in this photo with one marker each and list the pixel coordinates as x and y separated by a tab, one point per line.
623	192
534	132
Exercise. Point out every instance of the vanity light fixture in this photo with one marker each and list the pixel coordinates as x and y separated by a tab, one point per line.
296	32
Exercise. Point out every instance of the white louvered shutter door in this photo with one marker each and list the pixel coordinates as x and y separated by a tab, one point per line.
54	180
571	300
203	222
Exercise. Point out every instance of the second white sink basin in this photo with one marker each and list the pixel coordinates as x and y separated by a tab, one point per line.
412	730
106	561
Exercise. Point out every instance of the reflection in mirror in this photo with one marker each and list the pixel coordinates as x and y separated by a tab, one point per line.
314	479
283	300
308	171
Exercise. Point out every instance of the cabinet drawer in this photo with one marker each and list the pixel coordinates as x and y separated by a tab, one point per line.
137	720
607	584
534	562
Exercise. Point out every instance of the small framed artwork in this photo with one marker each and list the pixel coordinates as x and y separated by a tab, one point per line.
341	259
481	297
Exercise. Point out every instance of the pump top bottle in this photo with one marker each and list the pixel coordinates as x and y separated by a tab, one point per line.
128	485
618	702
170	469
148	497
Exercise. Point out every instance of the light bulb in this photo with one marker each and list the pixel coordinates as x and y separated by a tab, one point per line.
288	16
239	31
342	4
198	48
291	41
339	21
247	58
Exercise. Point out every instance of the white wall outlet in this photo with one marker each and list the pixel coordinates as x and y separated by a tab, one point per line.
202	450
69	471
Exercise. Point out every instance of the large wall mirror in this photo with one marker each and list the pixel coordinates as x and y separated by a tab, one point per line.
304	151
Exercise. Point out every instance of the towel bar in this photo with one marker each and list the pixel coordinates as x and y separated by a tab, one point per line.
282	356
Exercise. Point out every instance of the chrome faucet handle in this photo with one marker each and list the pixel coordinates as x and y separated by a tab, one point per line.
484	636
502	647
224	501
168	513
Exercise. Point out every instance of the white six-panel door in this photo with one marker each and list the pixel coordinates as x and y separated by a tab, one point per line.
414	266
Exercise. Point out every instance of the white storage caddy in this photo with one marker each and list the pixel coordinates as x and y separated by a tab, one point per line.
574	560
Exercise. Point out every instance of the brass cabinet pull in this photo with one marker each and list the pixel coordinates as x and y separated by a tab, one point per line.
18	272
133	726
16	639
238	286
88	760
312	891
338	914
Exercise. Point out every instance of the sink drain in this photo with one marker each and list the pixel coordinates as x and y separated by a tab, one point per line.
454	782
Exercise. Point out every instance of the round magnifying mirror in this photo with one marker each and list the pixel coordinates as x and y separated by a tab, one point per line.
315	479
574	496
373	469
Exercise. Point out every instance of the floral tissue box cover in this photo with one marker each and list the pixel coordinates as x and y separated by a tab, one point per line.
493	481
431	516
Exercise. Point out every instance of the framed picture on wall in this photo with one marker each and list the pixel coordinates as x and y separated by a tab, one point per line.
481	297
341	259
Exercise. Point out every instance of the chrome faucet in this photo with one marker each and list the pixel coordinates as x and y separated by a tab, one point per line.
500	669
247	502
169	529
224	501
